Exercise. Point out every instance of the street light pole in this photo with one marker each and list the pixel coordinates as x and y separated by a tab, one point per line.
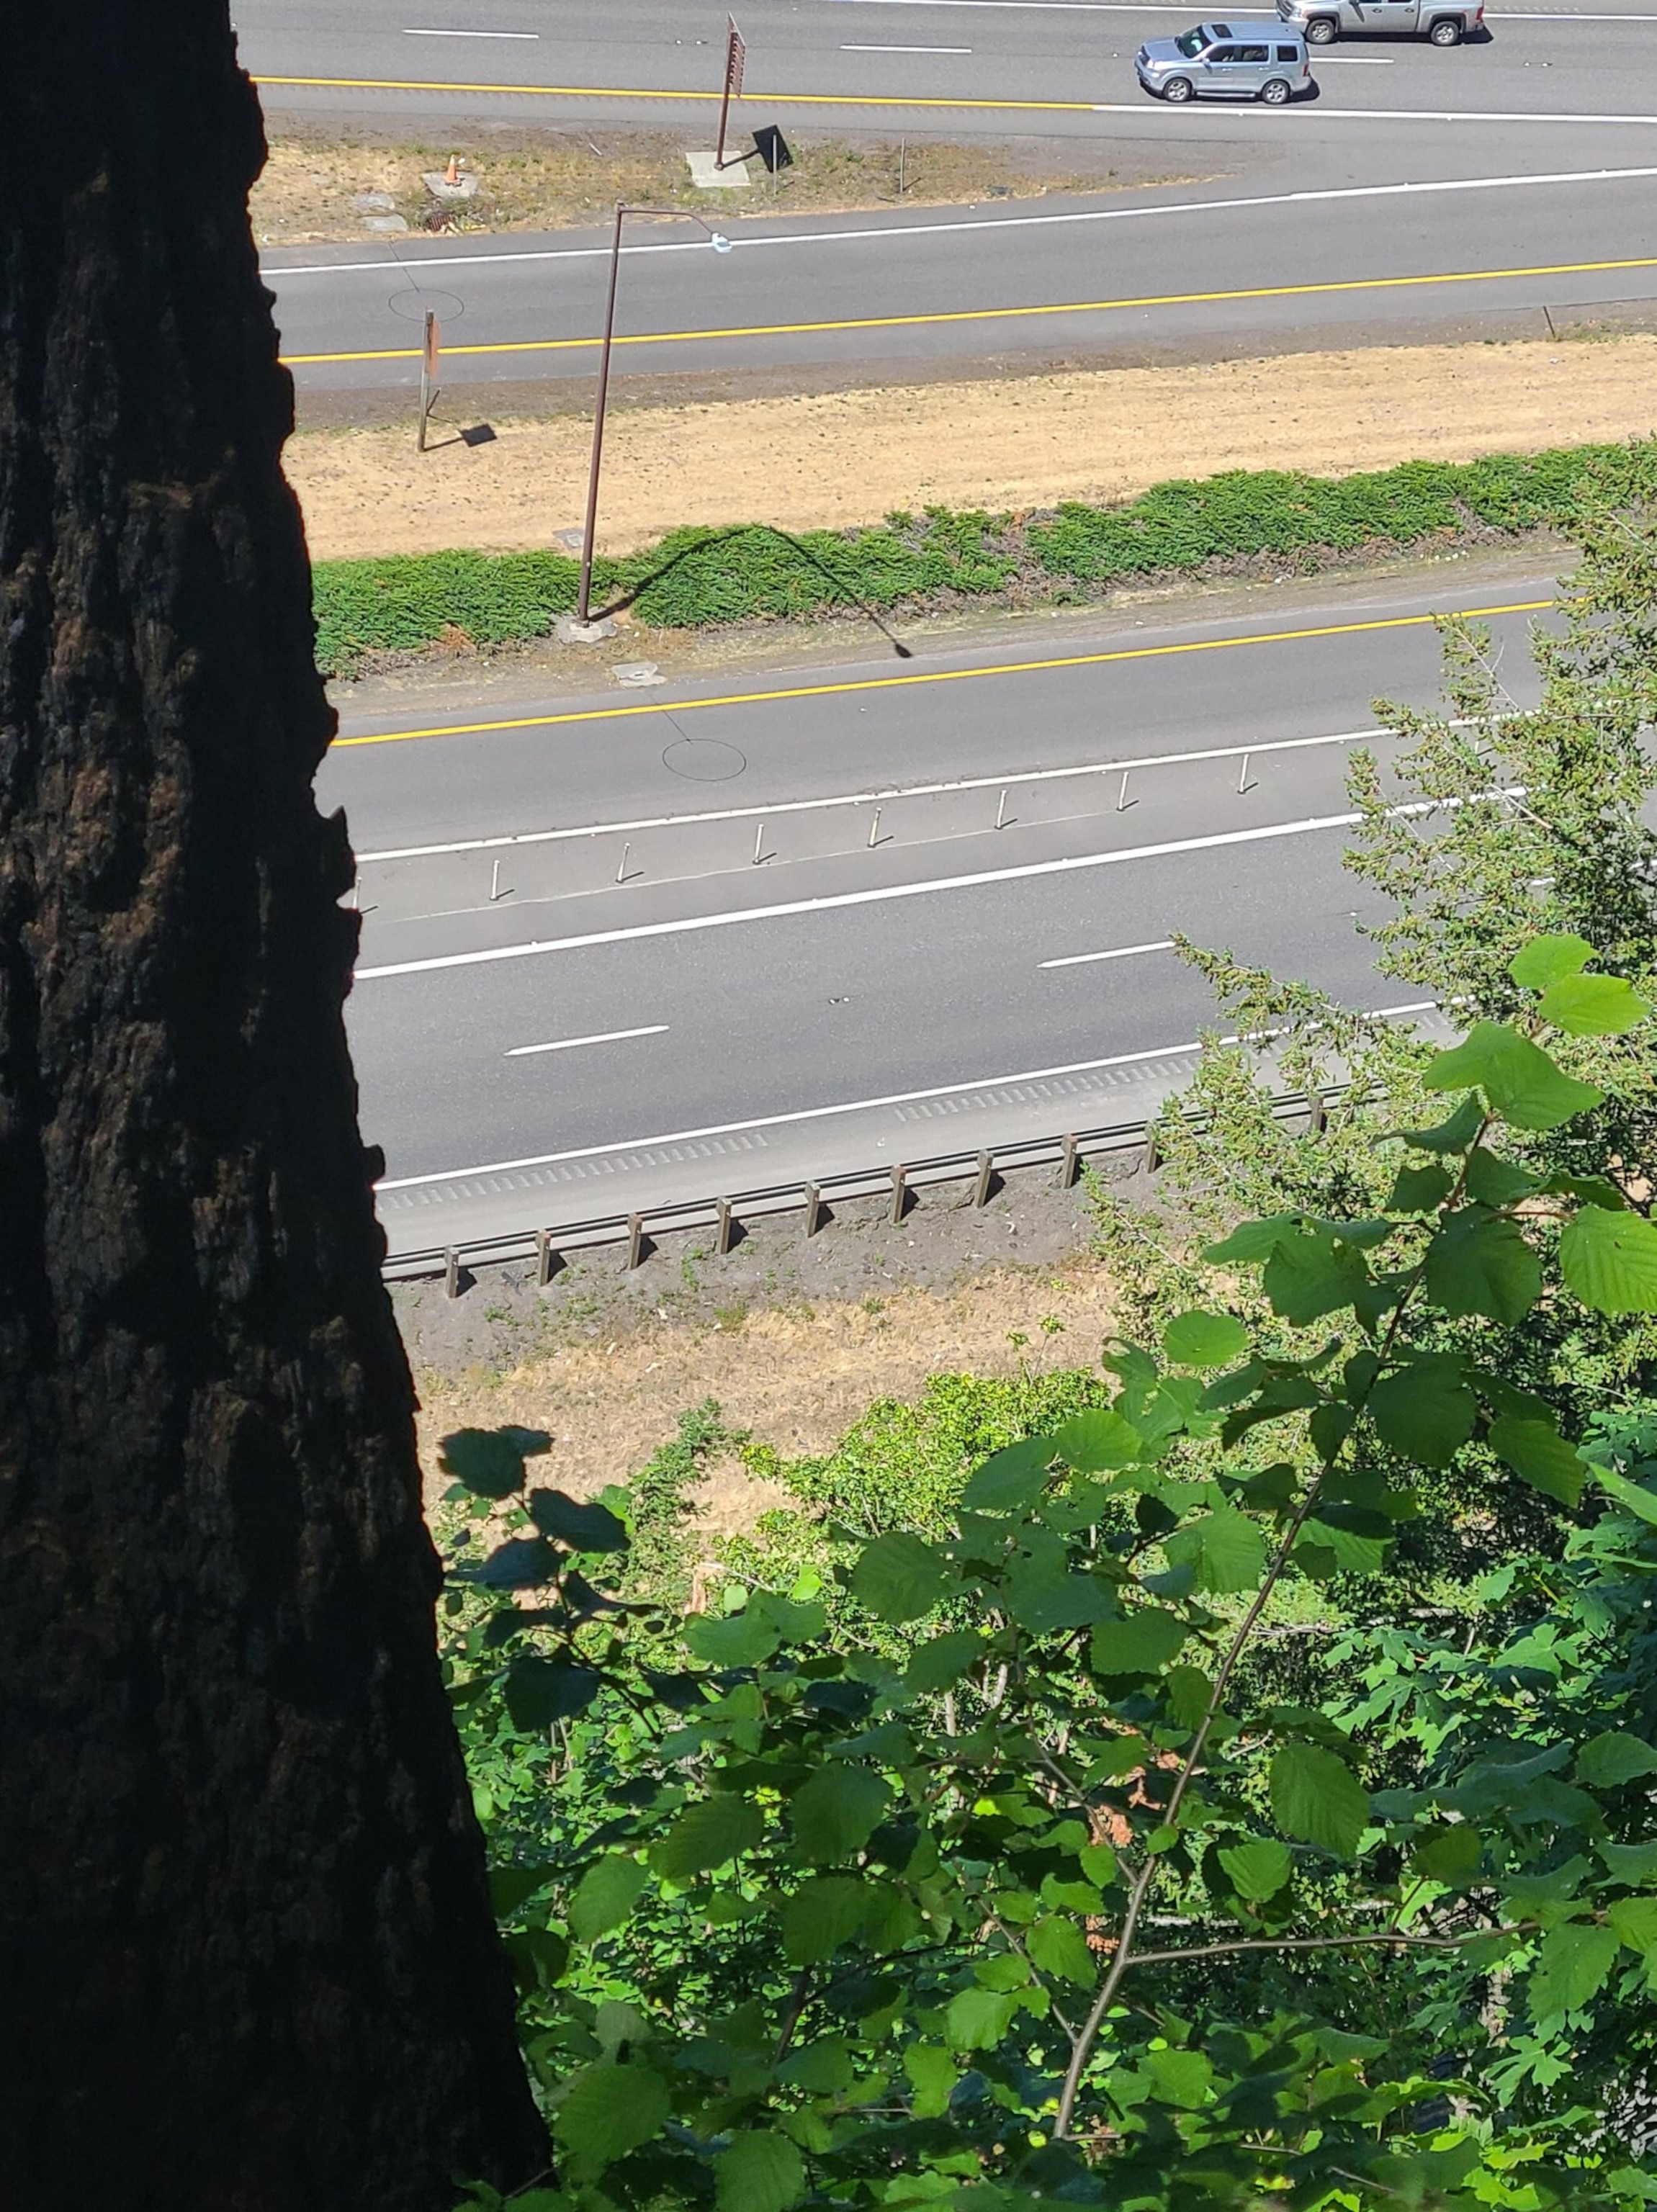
720	244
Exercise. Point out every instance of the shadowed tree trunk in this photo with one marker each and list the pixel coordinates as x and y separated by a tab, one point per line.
246	1955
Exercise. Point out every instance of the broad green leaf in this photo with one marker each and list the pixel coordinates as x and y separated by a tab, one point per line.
606	2112
836	1812
1185	1694
1633	1497
589	1528
1447	1138
1421	1190
604	1897
1011	1478
1097	1863
1635	1919
942	1662
1058	1947
1352	1551
1097	1441
1204	1340
1140	1644
521	1563
898	1577
1539	1455
1257	1869
1041	1596
1636	1863
1425	1411
760	2172
933	2074
1592	1005
823	2068
1311	1275
1606	1760
732	1640
1227	1550
1545	959
487	1461
541	1691
977	2019
1449	1855
1183	2078
1479	1263
1252	1240
821	1915
1492	1181
1518	1078
1571	1966
1609	1261
1317	1799
706	1835
510	1886
1002	1970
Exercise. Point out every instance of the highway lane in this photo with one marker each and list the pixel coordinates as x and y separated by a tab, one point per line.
741	1013
872	62
1167	272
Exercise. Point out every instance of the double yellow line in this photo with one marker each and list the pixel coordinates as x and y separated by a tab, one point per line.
994	314
620	713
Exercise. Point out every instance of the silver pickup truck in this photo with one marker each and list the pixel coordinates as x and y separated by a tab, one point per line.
1446	22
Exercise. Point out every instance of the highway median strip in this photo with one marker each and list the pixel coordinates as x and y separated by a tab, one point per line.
704	578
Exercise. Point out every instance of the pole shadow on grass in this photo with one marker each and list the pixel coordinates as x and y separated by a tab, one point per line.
624	599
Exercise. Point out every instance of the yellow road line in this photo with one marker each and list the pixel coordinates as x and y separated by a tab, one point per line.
940	676
992	314
629	91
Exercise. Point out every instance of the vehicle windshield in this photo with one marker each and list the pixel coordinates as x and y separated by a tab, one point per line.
1192	43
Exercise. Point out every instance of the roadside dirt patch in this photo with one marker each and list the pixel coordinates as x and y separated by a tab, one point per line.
315	181
797	1376
836	461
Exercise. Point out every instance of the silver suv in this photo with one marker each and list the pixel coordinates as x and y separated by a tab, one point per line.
1227	61
1446	22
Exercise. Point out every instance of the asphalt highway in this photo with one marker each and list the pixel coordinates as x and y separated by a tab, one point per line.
918	64
620	952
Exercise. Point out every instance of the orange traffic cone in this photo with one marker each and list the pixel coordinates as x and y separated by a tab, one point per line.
452	174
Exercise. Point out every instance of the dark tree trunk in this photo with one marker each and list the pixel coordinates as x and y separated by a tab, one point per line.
246	1956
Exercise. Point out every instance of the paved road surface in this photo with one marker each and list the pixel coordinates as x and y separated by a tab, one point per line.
1176	269
536	1038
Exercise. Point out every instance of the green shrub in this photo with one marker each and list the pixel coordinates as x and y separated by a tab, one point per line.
696	578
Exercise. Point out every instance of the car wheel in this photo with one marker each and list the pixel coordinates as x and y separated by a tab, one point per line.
1320	31
1446	32
1275	93
1177	88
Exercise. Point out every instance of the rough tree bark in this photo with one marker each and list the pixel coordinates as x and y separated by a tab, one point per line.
246	1956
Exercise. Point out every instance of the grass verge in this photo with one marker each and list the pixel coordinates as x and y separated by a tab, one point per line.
700	578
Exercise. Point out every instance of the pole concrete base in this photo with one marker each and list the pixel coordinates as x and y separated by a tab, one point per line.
568	631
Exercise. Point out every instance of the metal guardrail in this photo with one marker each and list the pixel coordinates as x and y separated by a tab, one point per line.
900	1184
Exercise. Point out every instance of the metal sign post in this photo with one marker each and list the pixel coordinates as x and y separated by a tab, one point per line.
429	374
736	53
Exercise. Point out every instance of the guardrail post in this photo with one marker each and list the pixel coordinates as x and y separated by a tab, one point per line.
814	1208
899	1193
1317	1114
635	1239
723	1226
546	1258
986	1176
451	1273
1153	1152
1067	1165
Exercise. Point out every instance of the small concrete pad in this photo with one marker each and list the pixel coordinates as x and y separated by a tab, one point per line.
708	177
568	631
636	674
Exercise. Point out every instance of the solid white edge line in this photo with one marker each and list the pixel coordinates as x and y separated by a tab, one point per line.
832	901
273	272
1119	953
888	795
568	1044
409	33
848	1106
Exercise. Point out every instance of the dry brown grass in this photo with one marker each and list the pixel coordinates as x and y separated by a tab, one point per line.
832	460
547	180
798	1377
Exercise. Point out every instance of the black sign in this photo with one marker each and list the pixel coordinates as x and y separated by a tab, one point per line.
772	147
